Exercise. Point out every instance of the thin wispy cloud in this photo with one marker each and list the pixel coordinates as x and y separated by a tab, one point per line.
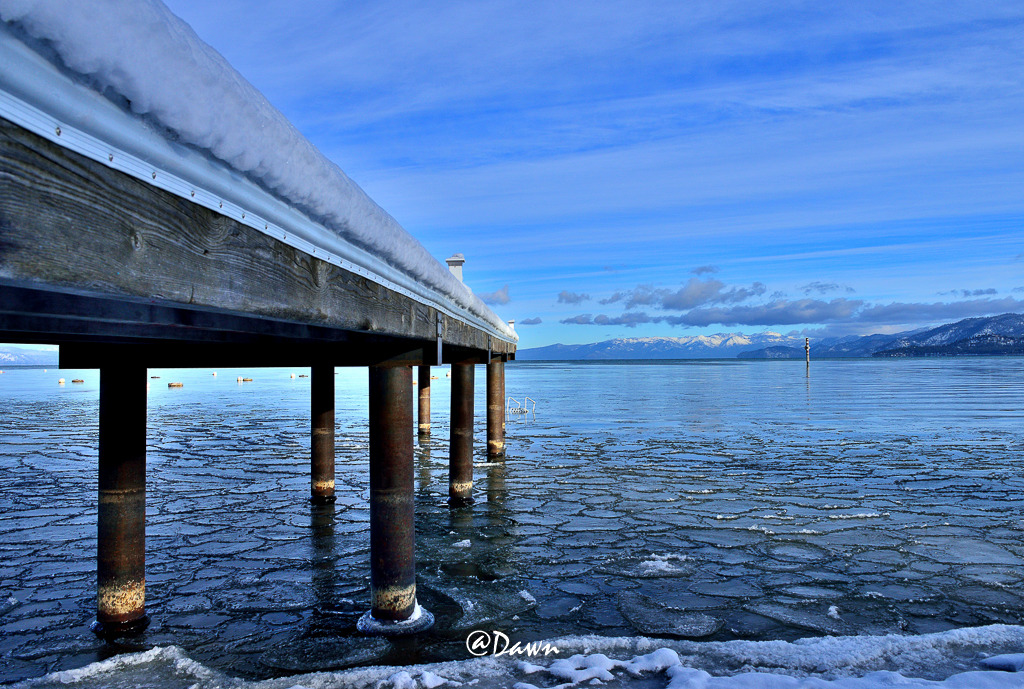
853	312
531	321
970	292
825	288
695	292
567	297
498	297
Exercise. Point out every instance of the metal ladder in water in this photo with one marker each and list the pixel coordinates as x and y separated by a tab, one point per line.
520	408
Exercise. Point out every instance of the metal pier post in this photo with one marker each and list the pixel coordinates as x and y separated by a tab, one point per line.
392	528
121	519
322	434
423	384
495	409
460	462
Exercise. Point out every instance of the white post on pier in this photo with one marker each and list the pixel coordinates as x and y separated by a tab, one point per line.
455	265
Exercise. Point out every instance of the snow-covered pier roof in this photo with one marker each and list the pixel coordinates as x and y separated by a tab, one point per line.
133	88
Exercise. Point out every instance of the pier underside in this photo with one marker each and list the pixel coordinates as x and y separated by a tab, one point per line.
125	276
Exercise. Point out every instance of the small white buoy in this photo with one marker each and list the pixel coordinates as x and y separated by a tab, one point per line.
214	373
292	375
239	379
60	382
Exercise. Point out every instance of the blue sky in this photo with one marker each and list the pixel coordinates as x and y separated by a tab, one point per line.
622	169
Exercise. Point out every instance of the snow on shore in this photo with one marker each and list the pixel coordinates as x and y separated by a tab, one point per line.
958	659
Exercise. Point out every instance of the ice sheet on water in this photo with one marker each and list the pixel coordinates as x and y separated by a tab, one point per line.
948	660
811	620
1010	662
649	616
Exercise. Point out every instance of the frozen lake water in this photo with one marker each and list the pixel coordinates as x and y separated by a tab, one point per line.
708	501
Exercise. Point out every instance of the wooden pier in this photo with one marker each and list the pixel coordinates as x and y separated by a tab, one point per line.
125	275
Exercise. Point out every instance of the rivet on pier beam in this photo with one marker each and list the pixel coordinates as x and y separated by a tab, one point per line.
322	434
495	409
121	517
460	462
423	384
392	516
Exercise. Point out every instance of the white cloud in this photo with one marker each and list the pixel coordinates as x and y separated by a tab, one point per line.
498	297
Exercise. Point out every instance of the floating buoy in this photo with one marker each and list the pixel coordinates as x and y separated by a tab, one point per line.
292	375
77	380
448	375
214	373
60	382
175	385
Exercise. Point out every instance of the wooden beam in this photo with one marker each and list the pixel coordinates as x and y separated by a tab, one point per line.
88	252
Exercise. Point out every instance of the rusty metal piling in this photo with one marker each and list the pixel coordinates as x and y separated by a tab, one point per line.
460	462
392	528
322	434
121	518
495	409
423	385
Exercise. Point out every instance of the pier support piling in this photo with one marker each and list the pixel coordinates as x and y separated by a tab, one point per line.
495	409
121	517
392	527
460	462
423	384
322	434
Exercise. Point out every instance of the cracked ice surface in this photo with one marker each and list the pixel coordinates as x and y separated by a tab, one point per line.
702	501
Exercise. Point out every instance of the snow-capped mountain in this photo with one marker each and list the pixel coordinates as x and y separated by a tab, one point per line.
992	335
1008	324
15	356
722	345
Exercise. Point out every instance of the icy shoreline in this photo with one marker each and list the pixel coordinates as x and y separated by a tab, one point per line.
976	657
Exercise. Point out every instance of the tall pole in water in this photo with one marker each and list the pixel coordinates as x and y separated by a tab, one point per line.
807	352
460	460
394	608
121	517
322	434
495	409
423	385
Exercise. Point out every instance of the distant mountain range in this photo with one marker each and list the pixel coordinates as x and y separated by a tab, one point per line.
14	356
994	335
